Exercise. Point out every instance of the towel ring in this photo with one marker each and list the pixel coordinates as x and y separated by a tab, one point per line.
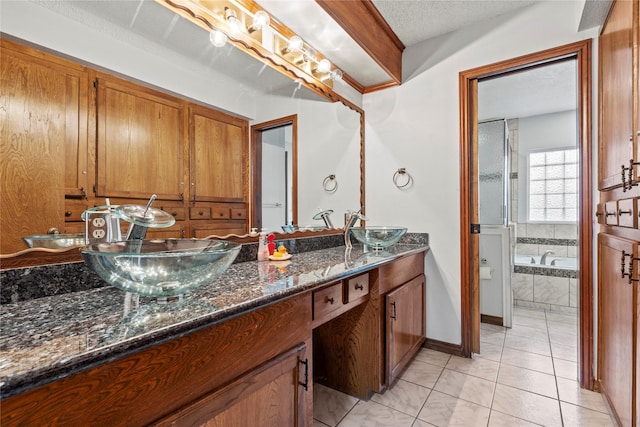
330	184
402	172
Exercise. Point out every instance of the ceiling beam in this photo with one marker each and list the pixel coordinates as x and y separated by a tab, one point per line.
366	26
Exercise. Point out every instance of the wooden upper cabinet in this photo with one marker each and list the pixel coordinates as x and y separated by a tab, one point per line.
219	156
616	96
43	141
140	148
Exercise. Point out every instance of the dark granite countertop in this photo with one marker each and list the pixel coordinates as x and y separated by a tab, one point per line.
45	339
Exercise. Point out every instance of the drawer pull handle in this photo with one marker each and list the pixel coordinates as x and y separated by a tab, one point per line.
67	214
328	300
359	286
599	214
620	212
610	213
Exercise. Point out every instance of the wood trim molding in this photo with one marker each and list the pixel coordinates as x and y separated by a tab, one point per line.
444	347
364	23
492	320
380	86
581	51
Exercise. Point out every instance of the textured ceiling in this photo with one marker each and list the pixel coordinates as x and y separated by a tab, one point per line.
414	21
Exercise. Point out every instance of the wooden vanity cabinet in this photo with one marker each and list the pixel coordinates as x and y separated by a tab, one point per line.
250	370
405	325
374	341
404	284
43	145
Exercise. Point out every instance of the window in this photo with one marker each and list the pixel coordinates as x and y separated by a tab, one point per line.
553	185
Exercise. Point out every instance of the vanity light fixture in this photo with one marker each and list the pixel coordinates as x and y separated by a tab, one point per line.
245	25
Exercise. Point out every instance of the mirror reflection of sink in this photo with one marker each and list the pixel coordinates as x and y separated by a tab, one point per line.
54	241
378	237
162	267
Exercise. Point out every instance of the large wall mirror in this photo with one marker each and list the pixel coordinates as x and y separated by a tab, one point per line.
147	43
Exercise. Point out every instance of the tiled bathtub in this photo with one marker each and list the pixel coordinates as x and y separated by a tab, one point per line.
548	287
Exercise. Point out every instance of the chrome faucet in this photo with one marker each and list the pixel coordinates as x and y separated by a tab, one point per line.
543	260
350	218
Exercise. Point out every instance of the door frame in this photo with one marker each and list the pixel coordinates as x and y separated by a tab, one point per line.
469	243
256	167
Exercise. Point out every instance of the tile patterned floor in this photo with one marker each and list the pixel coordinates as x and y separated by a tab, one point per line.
523	376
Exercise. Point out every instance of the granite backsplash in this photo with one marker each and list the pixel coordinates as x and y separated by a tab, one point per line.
23	284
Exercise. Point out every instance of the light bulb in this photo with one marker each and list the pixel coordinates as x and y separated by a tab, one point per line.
294	44
336	75
260	20
232	20
324	66
217	38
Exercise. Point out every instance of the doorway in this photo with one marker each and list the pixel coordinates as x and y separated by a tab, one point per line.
274	153
470	239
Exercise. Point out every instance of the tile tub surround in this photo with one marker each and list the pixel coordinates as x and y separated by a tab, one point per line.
51	337
23	284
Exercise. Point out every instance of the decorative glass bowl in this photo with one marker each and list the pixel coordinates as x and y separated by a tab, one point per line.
162	267
54	241
378	237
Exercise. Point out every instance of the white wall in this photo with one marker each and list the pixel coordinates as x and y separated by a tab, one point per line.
546	131
416	126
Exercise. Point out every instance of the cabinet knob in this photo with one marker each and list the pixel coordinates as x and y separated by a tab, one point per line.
174	213
200	213
67	214
328	300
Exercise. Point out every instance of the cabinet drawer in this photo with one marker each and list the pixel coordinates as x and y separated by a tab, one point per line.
627	216
177	212
356	288
200	213
238	213
401	271
611	213
73	211
327	300
220	213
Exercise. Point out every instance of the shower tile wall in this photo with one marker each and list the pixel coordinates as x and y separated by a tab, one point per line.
535	290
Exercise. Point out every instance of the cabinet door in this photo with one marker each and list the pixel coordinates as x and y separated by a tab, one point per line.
42	141
140	142
272	395
405	325
218	156
616	95
615	323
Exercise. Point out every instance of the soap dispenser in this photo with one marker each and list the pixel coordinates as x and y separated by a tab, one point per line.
263	250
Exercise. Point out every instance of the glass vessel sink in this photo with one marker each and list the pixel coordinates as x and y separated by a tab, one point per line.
54	241
162	267
378	237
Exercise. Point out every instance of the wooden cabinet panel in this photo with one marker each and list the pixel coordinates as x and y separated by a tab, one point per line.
43	141
405	325
356	288
611	213
270	395
218	156
615	324
627	215
327	300
140	142
400	271
616	95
